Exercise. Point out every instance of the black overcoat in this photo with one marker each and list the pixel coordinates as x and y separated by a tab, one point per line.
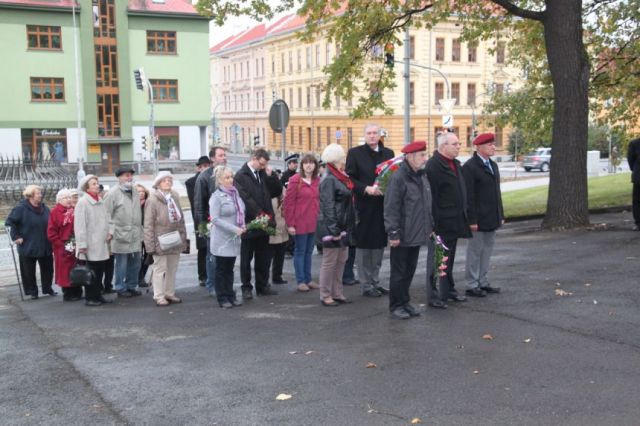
361	168
633	158
449	198
256	196
484	199
190	184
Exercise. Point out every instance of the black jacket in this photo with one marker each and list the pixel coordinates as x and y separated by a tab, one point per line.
286	175
257	196
633	157
31	225
449	198
361	168
407	207
190	184
337	213
484	199
205	186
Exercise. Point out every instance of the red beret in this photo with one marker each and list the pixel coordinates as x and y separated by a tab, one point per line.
484	138
415	146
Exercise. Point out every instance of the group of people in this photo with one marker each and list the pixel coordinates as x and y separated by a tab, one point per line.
255	213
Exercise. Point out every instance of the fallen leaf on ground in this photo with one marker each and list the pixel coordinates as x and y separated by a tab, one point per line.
595	302
476	372
283	397
293	352
308	352
487	337
110	357
371	365
561	292
587	285
416	421
527	340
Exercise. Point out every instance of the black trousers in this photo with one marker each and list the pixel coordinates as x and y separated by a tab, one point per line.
258	248
28	273
71	292
404	261
108	274
224	279
635	203
276	259
447	286
202	264
93	291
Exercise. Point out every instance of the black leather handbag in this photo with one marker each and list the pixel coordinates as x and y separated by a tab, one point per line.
81	275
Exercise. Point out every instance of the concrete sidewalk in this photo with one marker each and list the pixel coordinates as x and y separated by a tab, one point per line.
564	349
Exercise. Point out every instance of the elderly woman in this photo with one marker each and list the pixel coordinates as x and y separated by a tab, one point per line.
227	219
28	222
163	217
60	234
143	194
336	222
91	228
301	206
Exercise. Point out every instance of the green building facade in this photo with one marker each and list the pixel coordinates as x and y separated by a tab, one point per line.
38	112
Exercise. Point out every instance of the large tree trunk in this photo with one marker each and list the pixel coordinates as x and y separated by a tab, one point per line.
567	205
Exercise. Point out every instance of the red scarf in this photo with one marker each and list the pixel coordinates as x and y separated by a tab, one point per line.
341	176
94	196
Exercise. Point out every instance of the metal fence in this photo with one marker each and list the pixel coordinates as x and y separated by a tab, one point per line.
17	173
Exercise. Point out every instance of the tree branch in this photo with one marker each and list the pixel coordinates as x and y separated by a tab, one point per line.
518	11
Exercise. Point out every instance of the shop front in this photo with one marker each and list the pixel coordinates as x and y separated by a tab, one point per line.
44	145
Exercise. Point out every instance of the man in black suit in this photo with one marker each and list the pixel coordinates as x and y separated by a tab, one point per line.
201	242
205	186
257	185
449	214
485	213
633	157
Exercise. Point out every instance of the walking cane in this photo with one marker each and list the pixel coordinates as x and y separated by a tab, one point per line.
15	265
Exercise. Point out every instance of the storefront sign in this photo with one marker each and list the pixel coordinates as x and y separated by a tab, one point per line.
94	148
51	132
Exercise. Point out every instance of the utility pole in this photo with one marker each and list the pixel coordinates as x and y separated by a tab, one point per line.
81	145
407	88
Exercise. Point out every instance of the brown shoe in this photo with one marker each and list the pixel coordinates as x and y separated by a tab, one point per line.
173	299
162	302
303	287
313	285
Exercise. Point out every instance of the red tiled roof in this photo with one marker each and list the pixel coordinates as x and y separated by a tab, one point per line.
67	4
246	36
168	6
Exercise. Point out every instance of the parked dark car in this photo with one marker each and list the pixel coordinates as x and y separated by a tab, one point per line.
539	159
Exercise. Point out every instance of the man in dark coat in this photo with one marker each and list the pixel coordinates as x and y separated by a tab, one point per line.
201	241
633	157
257	185
370	235
485	213
205	186
292	168
408	221
449	213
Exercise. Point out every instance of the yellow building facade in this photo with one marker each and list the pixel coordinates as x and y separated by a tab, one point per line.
254	68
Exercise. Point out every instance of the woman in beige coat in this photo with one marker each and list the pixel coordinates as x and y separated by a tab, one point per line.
163	215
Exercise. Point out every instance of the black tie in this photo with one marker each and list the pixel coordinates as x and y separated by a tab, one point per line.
488	165
257	176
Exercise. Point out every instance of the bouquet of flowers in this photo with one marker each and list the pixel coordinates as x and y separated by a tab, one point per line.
70	245
384	171
204	228
440	257
261	223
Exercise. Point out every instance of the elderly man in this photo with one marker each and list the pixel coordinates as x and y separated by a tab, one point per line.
201	242
485	213
449	213
257	185
408	222
370	235
125	231
205	186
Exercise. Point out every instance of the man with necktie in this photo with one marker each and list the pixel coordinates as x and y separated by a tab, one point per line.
485	213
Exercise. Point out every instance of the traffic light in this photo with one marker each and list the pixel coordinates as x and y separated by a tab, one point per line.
389	60
136	75
147	143
256	140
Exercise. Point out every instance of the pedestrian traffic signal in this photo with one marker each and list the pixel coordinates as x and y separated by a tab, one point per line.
256	140
389	59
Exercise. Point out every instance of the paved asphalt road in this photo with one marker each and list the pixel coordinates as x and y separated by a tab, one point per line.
552	360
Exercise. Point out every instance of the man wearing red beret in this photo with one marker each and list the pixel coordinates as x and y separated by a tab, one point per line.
408	222
485	213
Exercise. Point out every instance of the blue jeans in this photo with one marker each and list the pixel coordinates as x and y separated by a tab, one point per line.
211	270
127	268
348	275
302	252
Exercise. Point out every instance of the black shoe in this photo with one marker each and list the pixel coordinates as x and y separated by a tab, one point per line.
411	310
143	284
201	283
636	227
72	299
491	290
93	303
108	291
457	297
279	281
103	300
382	290
125	294
372	293
344	301
349	282
50	292
331	304
475	292
400	313
236	303
34	296
247	294
267	292
135	292
438	304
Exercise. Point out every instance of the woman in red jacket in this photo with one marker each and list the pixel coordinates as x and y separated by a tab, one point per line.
301	206
60	234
